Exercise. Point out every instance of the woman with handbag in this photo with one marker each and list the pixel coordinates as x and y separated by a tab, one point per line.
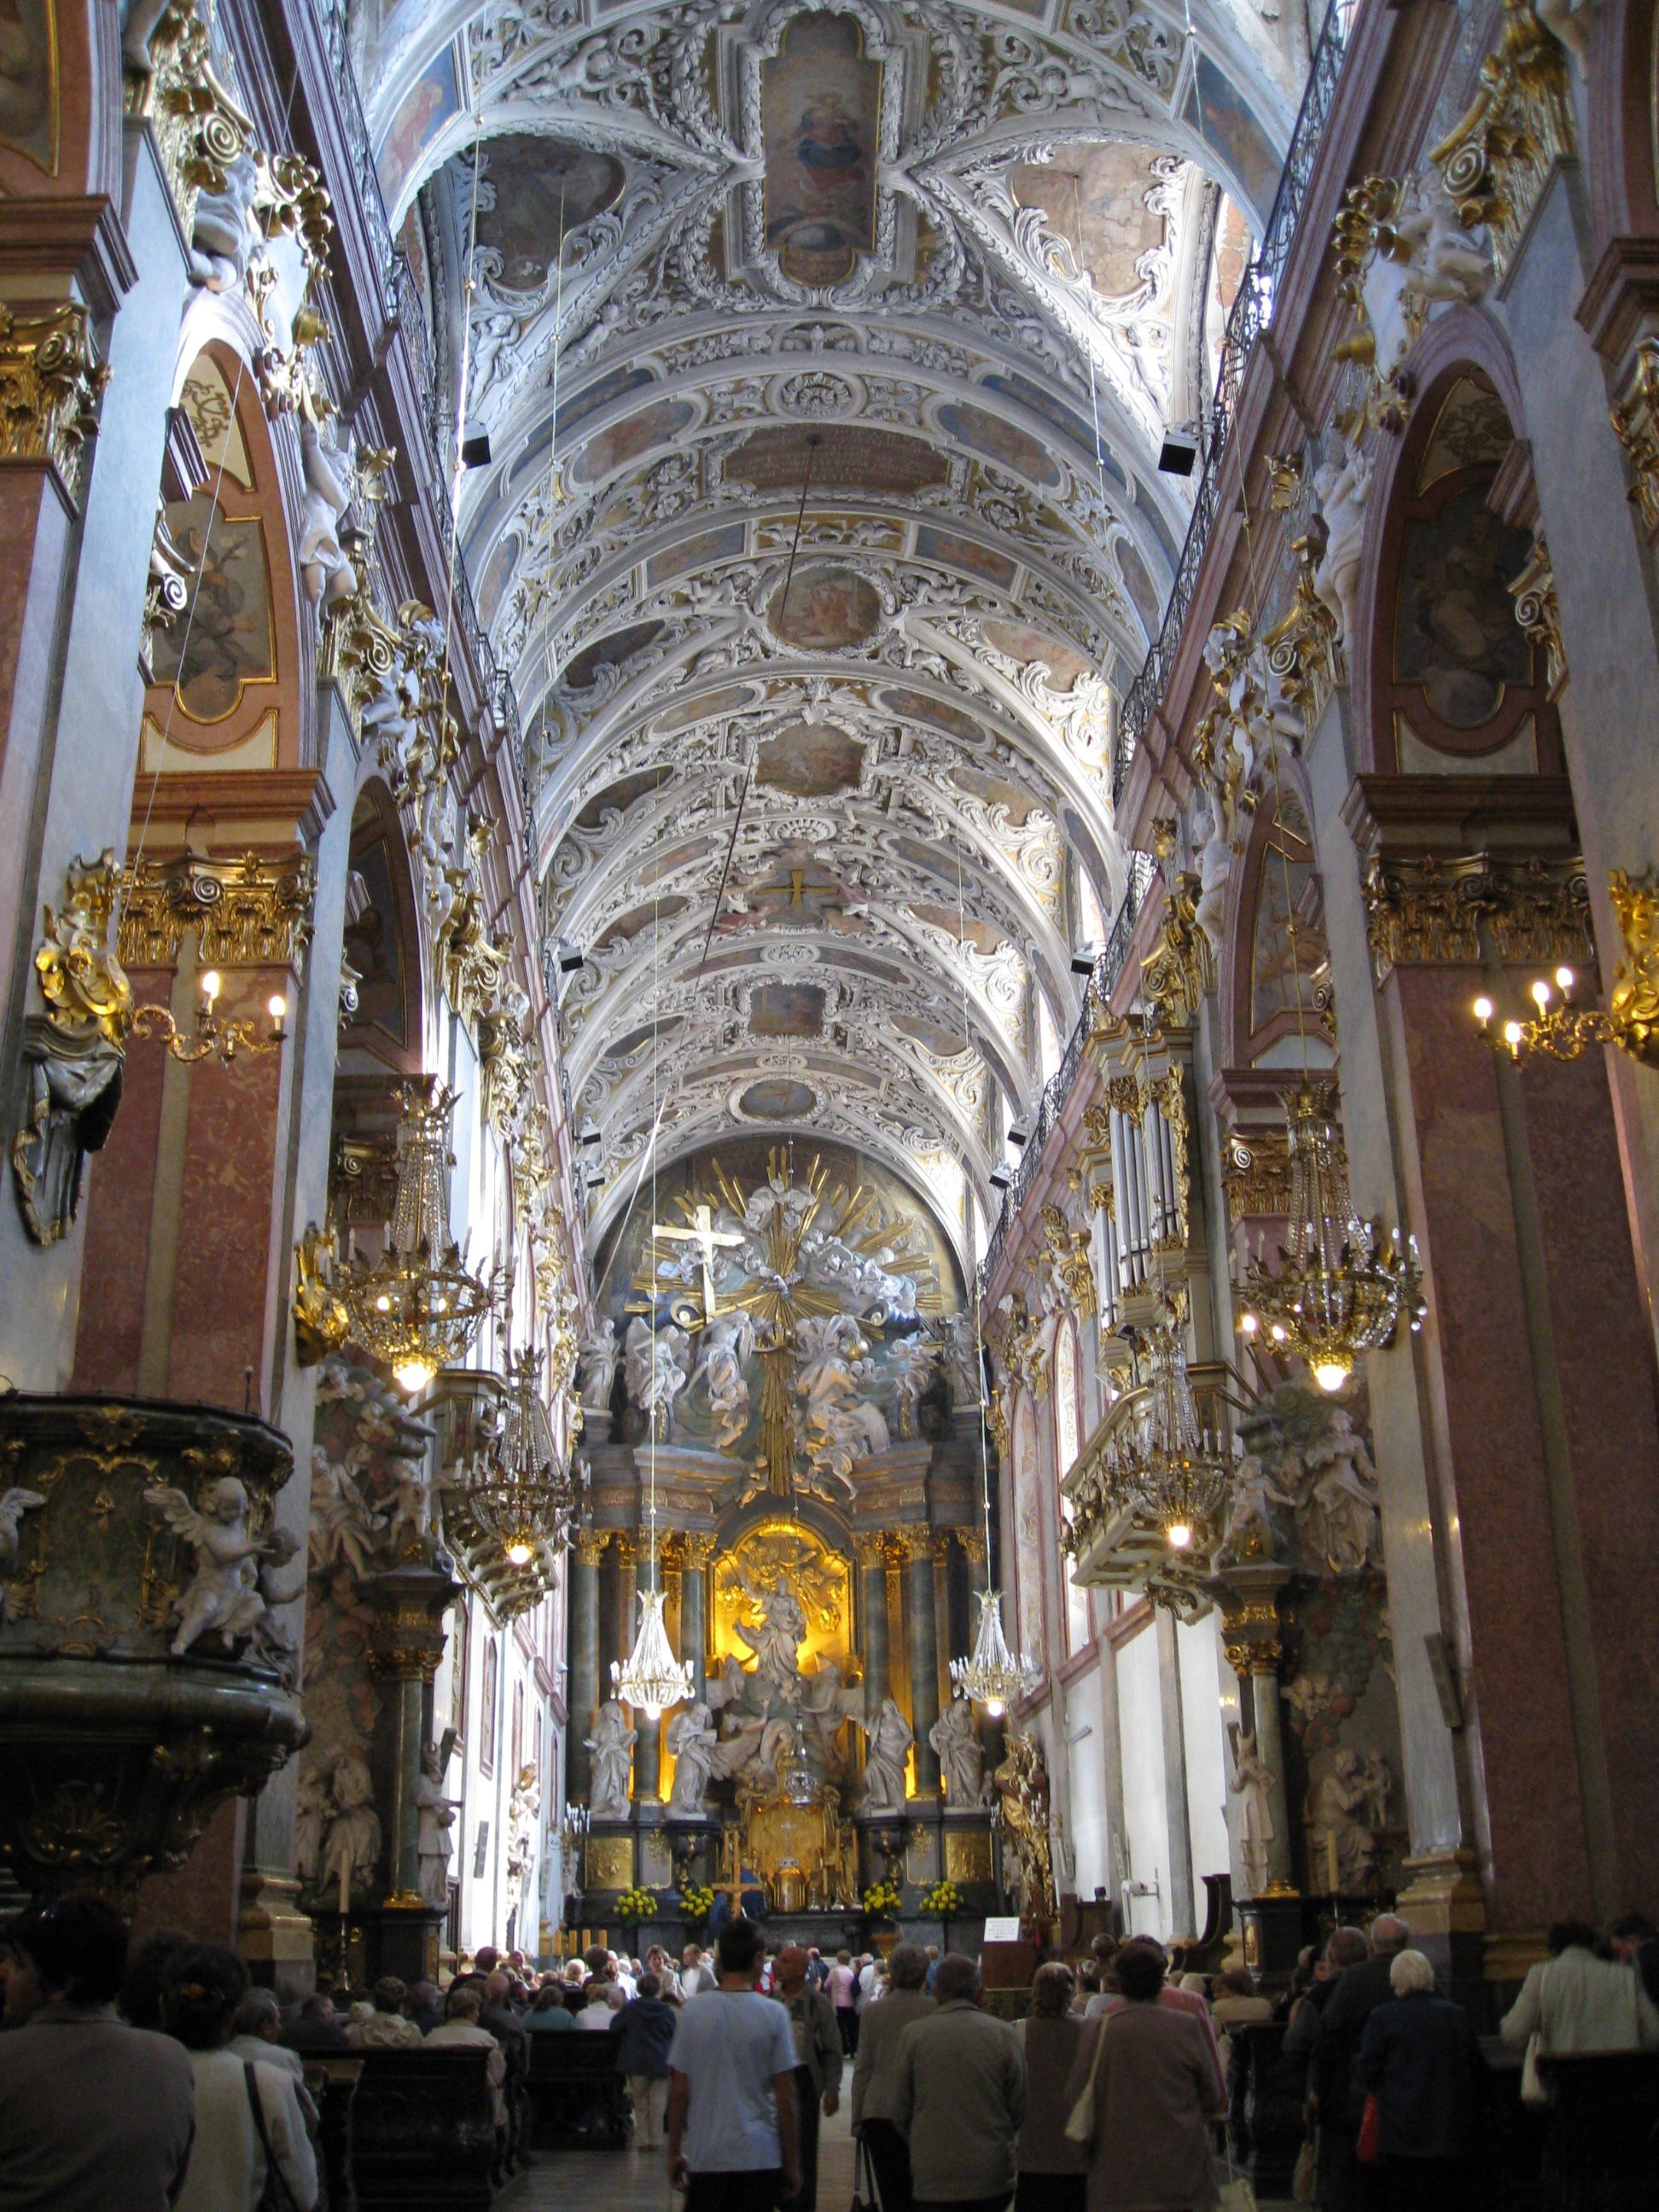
250	2152
1419	2064
1143	2093
1053	2170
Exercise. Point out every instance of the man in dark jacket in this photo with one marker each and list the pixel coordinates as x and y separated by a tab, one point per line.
1344	2185
315	2027
643	2033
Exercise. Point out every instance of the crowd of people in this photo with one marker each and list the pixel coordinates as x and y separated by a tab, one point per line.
156	2076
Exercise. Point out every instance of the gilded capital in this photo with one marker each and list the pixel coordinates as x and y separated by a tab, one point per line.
1539	613
171	84
1426	910
51	382
254	912
589	1547
1256	1173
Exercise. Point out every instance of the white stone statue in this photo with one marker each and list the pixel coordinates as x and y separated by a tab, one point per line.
351	1850
435	1844
406	1537
724	1345
312	1808
955	1737
841	1425
324	570
963	1368
14	1504
612	1745
523	1818
345	1530
778	1635
884	1761
1448	261
913	1364
1340	1508
1337	1836
656	1363
1215	864
1249	1525
1376	1786
1253	1784
1343	485
224	1595
692	1740
224	236
600	1355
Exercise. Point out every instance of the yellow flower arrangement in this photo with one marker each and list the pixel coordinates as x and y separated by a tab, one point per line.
696	1901
883	1897
943	1901
637	1904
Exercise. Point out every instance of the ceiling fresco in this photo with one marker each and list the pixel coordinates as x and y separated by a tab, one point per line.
824	355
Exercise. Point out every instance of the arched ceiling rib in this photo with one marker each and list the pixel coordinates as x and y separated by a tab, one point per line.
967	264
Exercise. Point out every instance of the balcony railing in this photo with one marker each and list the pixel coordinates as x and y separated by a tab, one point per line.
1252	313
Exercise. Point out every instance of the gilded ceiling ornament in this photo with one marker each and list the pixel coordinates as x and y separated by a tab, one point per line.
50	382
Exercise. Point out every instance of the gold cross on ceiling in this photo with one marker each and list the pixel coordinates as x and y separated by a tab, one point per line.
796	887
703	1234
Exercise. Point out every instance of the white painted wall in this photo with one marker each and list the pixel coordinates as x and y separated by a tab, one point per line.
1145	1813
1206	1761
1086	1758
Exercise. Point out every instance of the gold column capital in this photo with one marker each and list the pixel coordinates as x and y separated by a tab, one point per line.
51	382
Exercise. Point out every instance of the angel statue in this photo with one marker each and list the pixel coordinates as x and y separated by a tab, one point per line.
224	1595
434	1843
727	1343
14	1504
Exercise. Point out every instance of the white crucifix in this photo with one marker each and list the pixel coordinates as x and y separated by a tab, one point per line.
703	1234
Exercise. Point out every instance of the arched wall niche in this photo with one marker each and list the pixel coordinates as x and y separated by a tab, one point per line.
229	694
1275	937
1621	120
382	940
1429	586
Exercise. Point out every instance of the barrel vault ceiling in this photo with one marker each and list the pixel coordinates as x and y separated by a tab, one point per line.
967	264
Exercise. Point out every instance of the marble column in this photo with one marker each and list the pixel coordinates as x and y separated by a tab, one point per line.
696	1550
625	1570
872	1551
1254	1651
923	1626
584	1633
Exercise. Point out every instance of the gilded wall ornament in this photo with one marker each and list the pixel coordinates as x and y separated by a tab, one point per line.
1632	1019
1497	161
72	1053
171	84
1539	613
1256	1173
1636	419
250	912
1068	1258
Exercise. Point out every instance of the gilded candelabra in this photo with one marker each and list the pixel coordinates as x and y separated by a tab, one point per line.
1632	1017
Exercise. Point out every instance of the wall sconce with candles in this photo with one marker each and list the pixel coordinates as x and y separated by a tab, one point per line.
213	1037
1631	1020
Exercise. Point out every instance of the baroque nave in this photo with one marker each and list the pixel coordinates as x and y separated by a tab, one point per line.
827	845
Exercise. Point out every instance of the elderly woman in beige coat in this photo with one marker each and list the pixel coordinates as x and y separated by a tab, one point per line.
880	2027
1155	2095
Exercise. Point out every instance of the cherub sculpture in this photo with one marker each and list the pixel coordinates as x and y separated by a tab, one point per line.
224	1595
14	1504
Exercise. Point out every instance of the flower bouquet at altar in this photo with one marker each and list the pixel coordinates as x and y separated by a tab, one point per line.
634	1904
696	1903
943	1902
882	1899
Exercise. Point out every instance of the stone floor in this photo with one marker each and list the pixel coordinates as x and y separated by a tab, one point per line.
637	2181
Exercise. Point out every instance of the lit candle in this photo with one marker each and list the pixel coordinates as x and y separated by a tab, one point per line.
1332	1872
345	1887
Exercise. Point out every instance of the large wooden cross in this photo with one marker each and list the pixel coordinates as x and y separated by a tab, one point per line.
703	1234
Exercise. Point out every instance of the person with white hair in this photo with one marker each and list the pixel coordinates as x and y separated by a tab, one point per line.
1360	1987
1418	2058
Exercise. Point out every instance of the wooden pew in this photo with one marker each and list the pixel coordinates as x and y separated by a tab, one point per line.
576	2090
423	2130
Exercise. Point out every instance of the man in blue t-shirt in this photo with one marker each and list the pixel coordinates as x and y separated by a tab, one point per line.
733	2143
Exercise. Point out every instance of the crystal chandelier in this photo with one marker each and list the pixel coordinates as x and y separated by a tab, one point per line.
994	1677
651	1678
417	1307
1170	1466
518	1496
1339	1289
